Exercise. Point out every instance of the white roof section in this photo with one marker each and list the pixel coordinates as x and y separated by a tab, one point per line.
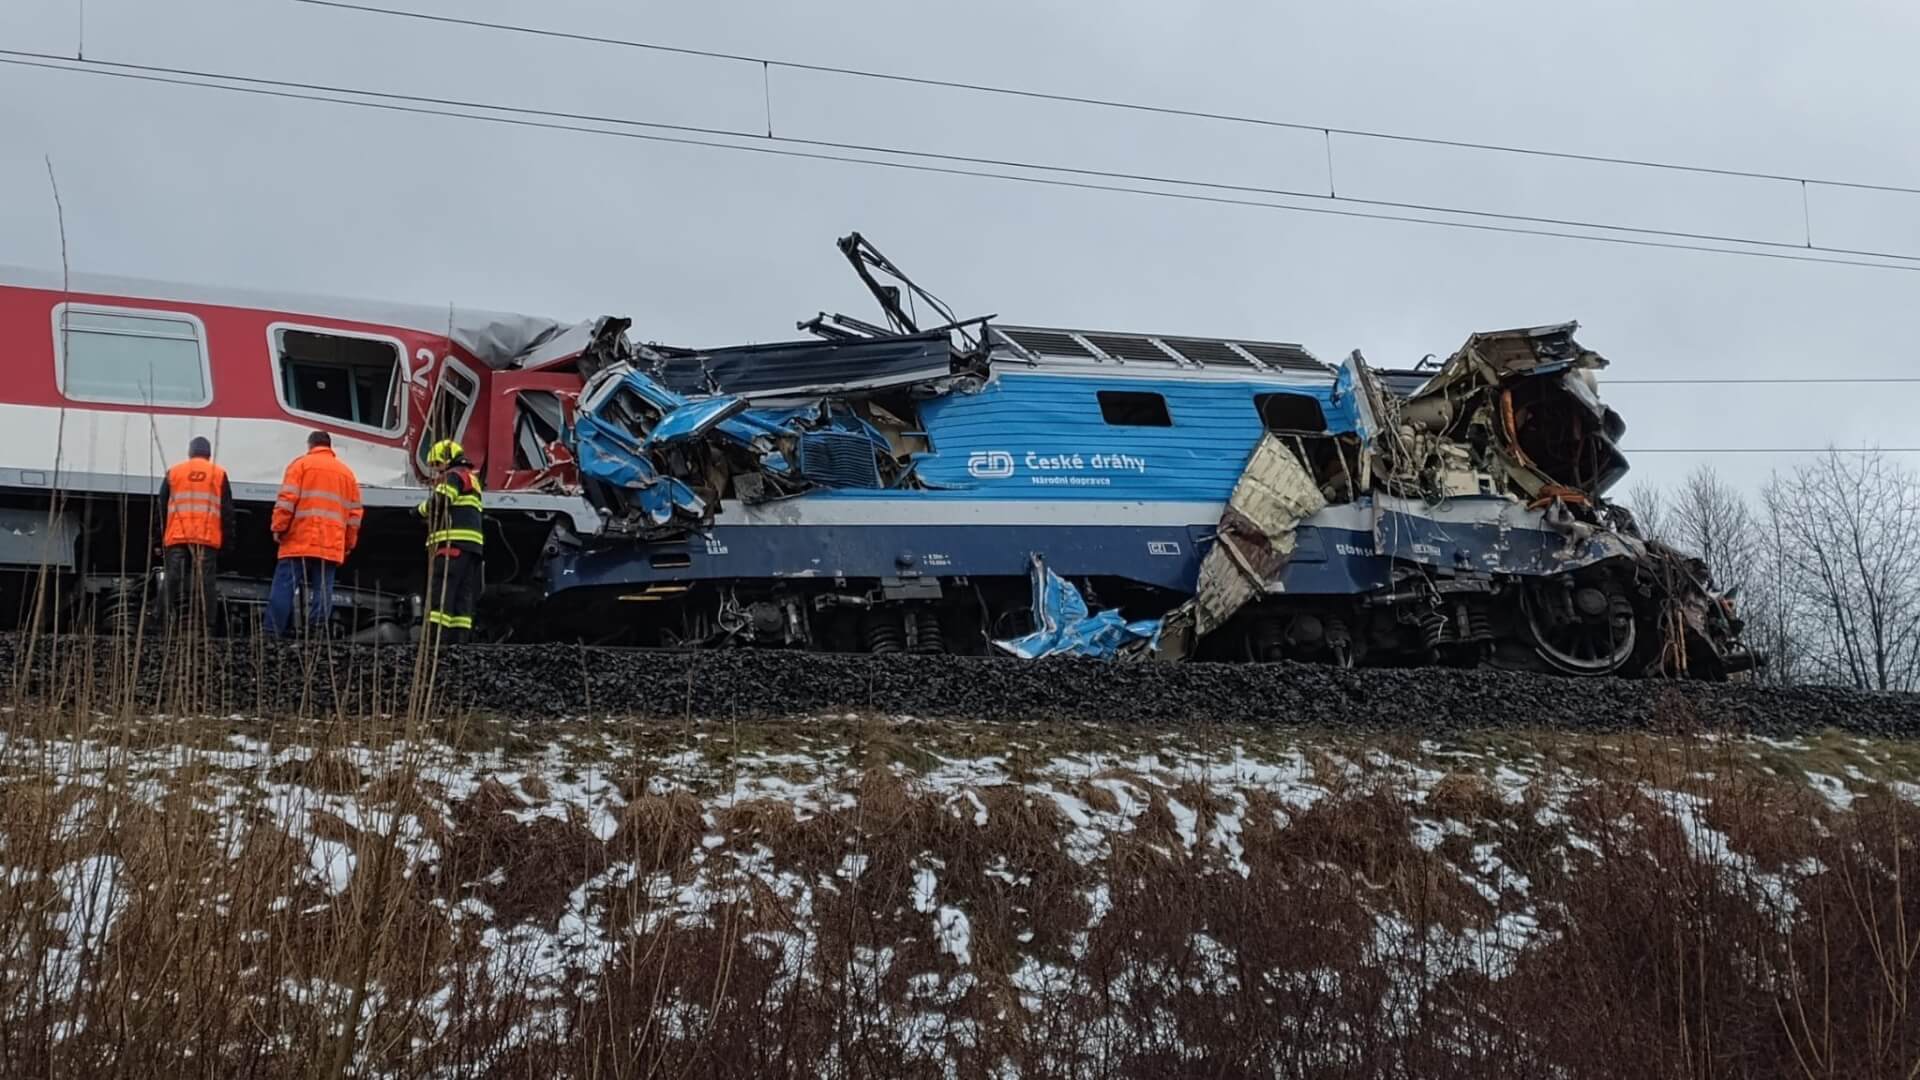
498	339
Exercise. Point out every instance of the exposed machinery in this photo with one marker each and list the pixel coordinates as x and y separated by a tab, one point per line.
957	487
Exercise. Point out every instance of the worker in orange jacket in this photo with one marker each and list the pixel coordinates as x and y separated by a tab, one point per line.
316	520
198	502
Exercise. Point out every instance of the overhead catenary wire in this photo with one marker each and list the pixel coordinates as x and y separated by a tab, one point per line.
765	65
1327	131
966	159
187	77
557	121
1109	103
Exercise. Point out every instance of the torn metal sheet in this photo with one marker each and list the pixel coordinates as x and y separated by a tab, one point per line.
1254	540
694	419
1066	627
616	469
652	458
1256	534
522	342
1525	404
1492	475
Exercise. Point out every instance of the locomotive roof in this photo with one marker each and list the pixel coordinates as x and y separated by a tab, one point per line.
1169	353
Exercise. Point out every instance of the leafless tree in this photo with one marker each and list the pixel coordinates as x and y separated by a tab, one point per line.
1712	520
1848	535
1773	604
1708	517
1649	506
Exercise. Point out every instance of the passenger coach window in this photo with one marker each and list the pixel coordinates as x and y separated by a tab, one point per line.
130	357
353	380
452	406
1290	412
1131	408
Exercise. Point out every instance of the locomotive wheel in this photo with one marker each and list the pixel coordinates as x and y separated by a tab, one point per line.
1590	645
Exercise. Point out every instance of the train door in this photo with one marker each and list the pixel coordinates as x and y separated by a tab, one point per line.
456	400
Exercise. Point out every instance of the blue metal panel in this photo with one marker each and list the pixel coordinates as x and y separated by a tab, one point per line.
1043	436
1489	546
1162	556
1334	562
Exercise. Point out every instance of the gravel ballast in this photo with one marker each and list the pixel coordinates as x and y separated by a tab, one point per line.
546	682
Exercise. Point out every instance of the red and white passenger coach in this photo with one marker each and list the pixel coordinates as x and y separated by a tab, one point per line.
106	380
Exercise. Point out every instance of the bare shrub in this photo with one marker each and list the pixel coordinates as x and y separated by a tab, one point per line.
1643	906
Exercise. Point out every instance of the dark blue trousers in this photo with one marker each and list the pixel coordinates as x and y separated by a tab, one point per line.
316	576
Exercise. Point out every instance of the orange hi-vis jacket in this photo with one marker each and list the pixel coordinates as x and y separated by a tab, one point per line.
317	515
199	502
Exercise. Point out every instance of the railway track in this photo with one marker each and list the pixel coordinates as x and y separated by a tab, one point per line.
541	683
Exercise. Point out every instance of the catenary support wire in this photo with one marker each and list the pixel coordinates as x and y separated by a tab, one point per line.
1110	103
526	117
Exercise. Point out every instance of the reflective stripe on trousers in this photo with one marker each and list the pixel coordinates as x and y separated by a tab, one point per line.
456	536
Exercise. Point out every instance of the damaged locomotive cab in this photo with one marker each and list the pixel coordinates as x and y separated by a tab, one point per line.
1516	416
1522	405
656	463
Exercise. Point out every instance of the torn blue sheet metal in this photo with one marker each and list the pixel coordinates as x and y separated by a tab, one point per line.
695	419
679	417
607	455
646	415
637	444
1066	628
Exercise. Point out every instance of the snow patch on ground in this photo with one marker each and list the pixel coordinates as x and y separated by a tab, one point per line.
1214	803
1833	789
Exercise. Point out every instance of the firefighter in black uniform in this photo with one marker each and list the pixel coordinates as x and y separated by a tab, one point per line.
454	544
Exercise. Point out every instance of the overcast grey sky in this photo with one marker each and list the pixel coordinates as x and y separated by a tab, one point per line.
705	246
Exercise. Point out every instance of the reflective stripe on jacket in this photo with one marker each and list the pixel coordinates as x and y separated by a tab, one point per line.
317	514
198	503
453	510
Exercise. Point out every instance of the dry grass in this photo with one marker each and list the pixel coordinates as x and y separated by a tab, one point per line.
388	897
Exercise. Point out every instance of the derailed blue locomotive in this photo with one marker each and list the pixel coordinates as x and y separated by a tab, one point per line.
893	489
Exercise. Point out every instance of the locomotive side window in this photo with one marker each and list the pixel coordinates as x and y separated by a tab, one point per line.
1131	408
130	356
1299	413
340	377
